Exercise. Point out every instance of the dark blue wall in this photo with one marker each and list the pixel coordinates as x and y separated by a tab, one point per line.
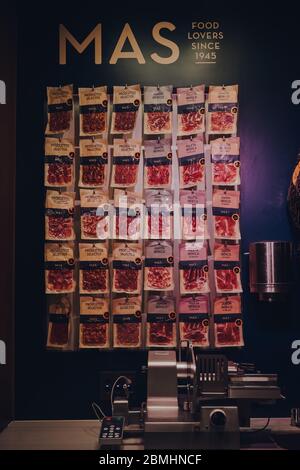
260	51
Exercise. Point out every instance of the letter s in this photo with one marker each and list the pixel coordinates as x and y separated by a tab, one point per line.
296	94
296	354
165	42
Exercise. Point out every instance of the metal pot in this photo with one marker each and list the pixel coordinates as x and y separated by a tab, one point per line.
270	269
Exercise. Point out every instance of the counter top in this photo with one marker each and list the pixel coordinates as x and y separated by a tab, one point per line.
83	434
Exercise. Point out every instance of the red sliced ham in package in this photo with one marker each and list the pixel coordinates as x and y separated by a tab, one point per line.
191	162
193	268
158	108
159	266
93	163
60	109
94	214
93	110
126	103
59	268
127	268
159	213
94	323
225	156
191	110
59	162
161	322
227	268
228	323
128	215
193	215
193	320
222	109
127	322
226	214
93	268
60	311
59	216
158	163
125	164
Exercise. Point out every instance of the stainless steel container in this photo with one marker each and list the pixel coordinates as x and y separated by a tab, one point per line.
270	269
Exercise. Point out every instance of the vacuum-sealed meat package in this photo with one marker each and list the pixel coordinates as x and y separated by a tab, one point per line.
93	268
227	268
191	162
159	213
93	110
193	267
127	322
59	311
126	103
94	323
158	163
93	163
193	320
158	108
225	156
222	109
94	214
159	266
226	214
228	323
59	268
191	110
59	162
127	268
128	215
125	163
59	108
193	215
59	215
161	322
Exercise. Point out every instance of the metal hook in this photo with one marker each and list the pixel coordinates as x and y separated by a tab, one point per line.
93	139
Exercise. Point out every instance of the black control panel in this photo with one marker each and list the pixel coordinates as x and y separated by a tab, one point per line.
111	432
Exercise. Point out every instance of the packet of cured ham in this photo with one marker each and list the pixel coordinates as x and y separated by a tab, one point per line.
59	268
128	215
191	163
127	268
226	214
159	209
159	266
193	215
161	322
191	110
158	107
127	322
158	163
193	268
126	159
126	103
94	323
227	268
59	323
93	268
193	320
228	323
93	164
94	214
59	162
59	216
93	110
225	156
60	109
222	109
